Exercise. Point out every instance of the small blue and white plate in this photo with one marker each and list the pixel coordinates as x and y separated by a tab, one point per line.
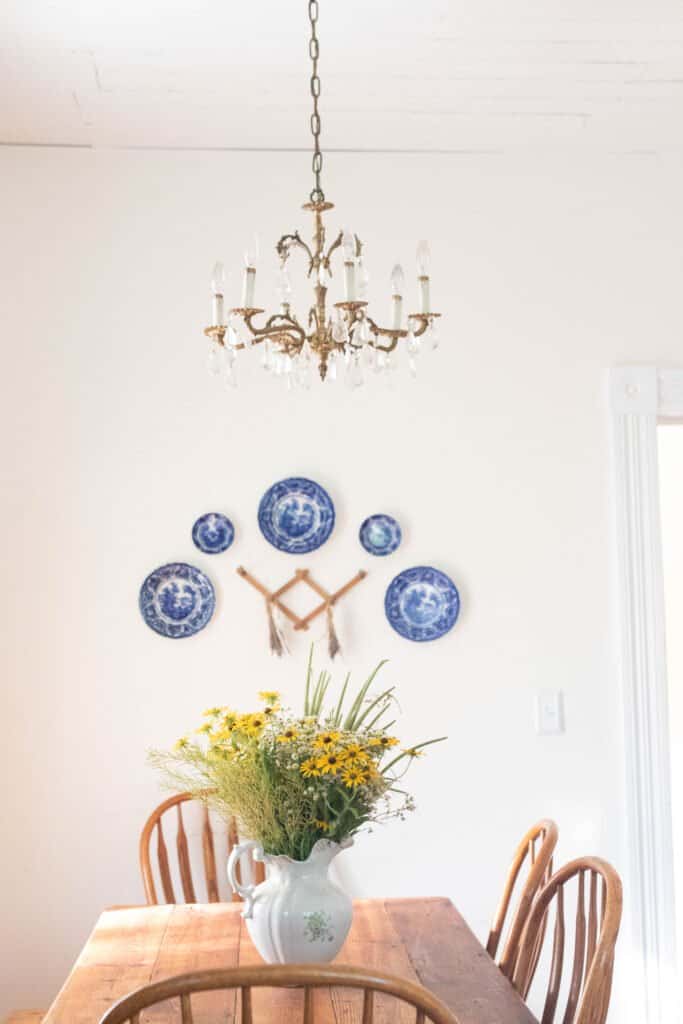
296	515
177	600
380	534
213	533
422	603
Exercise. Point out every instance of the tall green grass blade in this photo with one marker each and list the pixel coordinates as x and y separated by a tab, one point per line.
309	673
372	705
338	713
350	721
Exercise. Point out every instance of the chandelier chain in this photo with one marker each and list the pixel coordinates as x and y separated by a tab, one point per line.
317	195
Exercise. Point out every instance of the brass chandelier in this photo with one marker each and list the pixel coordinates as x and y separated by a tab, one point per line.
347	339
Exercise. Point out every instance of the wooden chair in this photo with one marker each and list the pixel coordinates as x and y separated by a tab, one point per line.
154	825
590	982
543	835
306	976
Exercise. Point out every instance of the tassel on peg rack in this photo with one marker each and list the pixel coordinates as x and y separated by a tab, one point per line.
274	601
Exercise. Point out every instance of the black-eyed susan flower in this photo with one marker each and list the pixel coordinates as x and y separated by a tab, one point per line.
326	740
412	752
212	712
181	744
222	735
207	728
324	826
309	768
288	735
383	741
269	696
354	754
252	725
353	777
329	764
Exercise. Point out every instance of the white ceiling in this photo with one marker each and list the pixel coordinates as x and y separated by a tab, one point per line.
425	75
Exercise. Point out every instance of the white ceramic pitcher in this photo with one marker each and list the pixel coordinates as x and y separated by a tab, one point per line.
298	915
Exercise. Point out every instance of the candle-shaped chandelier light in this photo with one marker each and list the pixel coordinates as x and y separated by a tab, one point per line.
346	337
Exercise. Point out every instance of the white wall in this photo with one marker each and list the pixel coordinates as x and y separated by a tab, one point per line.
495	461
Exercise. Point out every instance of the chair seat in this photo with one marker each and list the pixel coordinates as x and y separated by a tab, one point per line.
25	1016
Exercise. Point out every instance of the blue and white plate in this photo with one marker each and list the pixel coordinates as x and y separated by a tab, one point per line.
177	600
296	515
422	603
380	534
213	533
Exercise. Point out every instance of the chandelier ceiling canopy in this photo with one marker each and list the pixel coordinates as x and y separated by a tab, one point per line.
346	339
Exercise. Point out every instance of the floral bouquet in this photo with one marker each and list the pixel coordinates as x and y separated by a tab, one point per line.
293	779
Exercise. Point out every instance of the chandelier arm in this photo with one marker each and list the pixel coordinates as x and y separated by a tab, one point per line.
286	243
279	325
335	245
384	348
424	320
384	332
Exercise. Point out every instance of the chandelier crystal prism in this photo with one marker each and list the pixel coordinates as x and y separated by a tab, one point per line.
347	337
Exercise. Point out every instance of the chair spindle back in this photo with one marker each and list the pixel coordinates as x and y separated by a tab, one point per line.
303	976
166	812
536	848
596	926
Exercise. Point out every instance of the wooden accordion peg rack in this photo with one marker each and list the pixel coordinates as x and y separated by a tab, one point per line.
301	576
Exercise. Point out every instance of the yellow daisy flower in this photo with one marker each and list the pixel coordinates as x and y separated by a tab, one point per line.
212	712
354	777
222	735
288	735
326	740
181	744
354	754
329	764
412	752
269	696
309	768
383	741
206	728
252	725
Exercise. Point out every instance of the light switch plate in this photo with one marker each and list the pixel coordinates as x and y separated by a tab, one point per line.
549	707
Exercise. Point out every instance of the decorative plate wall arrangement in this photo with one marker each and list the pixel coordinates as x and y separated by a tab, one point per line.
422	603
213	533
177	600
380	534
296	515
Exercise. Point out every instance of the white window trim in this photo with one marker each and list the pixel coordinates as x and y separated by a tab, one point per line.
639	398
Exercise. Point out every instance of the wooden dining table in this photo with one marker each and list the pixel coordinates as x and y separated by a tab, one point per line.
424	940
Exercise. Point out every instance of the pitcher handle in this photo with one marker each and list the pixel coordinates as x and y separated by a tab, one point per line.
245	891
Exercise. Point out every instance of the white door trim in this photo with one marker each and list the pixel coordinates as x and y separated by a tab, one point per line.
639	398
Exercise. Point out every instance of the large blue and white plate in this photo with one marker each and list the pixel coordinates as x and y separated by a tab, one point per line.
213	533
177	600
422	603
296	515
380	534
